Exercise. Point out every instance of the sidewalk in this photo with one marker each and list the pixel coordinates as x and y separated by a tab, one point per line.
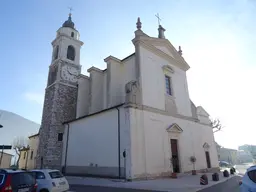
184	183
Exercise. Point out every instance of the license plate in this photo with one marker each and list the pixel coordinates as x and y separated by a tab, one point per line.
62	183
23	190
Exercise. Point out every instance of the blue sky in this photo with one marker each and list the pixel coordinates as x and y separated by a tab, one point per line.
217	38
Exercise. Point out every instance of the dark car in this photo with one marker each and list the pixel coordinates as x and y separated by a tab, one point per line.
17	181
224	164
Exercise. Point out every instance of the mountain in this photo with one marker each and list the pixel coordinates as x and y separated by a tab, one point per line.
15	126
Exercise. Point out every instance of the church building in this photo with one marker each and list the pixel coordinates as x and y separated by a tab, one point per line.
132	120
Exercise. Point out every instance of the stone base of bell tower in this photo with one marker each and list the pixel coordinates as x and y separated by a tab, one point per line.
59	106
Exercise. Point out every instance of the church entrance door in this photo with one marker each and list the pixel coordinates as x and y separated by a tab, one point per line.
175	156
208	160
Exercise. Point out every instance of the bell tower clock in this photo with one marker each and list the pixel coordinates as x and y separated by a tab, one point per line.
60	95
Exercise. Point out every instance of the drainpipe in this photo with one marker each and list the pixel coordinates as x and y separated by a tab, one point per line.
65	164
119	157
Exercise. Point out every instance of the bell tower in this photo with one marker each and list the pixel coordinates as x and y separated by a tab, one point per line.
60	94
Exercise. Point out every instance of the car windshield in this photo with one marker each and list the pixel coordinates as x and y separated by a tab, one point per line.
252	175
1	179
55	174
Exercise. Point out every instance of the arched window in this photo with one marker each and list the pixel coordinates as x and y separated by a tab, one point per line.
56	52
72	34
71	53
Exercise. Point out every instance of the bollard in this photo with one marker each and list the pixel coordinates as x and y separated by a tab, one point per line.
231	171
215	177
204	180
225	173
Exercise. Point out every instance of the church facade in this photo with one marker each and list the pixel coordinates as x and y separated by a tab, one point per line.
132	120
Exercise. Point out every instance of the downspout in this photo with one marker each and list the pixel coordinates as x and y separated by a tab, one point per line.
119	143
65	164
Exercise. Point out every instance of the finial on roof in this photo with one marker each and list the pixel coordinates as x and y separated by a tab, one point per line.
138	24
161	31
180	51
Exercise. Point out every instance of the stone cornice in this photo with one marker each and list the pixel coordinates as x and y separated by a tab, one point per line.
168	68
109	58
94	69
83	76
162	112
61	35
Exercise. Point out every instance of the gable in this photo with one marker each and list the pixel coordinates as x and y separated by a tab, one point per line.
174	128
206	146
201	111
165	50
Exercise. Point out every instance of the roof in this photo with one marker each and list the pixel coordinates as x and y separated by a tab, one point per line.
35	135
11	171
93	113
43	170
69	23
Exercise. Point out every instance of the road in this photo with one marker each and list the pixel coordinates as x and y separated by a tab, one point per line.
231	185
82	188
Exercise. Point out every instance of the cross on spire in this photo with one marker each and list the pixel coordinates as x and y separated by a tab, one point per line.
158	18
70	10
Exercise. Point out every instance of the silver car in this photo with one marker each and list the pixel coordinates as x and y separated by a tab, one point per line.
49	180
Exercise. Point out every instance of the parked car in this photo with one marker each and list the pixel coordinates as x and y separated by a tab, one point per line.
248	183
17	180
49	180
224	164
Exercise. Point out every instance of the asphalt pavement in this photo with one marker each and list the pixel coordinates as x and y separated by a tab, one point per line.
82	188
231	185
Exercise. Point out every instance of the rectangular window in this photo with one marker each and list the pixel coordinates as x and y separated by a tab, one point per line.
60	136
31	155
168	85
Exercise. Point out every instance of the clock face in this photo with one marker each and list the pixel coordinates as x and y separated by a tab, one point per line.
69	73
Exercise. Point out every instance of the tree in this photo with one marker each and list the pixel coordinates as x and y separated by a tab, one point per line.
19	143
216	125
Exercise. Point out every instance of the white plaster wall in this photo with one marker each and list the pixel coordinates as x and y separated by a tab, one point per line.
82	107
67	31
97	93
148	131
128	74
121	73
105	103
94	139
33	144
116	83
153	83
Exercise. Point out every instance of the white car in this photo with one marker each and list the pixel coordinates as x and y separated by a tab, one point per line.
248	183
49	180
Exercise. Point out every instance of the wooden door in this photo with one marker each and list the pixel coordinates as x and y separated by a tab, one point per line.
175	155
208	160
